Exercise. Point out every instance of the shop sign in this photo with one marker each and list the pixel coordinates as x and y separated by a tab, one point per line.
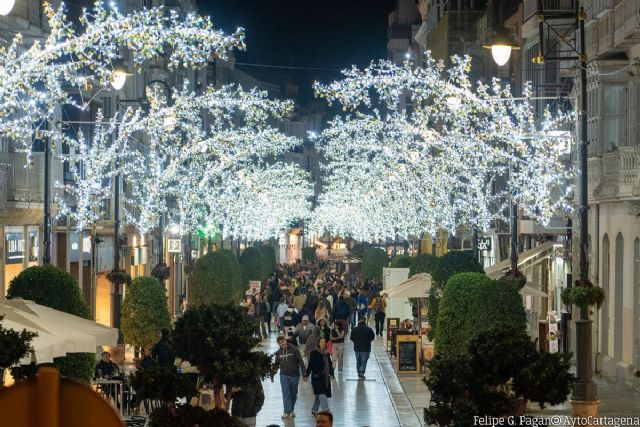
484	243
174	245
14	248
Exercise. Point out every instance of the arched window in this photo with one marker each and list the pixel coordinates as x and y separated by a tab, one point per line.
604	283
619	292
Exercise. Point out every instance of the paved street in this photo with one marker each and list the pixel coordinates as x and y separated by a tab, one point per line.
378	401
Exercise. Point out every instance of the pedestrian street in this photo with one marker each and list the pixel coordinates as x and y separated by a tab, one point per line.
379	401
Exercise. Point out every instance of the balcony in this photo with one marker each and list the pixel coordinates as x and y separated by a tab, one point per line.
616	175
627	24
551	7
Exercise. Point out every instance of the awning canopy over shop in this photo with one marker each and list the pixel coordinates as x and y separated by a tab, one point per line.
531	290
414	287
499	269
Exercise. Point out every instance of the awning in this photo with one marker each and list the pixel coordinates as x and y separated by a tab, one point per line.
529	289
499	269
416	286
44	315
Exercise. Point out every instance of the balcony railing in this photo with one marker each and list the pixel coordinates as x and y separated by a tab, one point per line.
627	23
616	174
550	7
597	8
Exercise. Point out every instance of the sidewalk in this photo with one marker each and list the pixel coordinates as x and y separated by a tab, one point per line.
411	395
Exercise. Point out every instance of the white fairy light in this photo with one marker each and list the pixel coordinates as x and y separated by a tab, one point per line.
405	173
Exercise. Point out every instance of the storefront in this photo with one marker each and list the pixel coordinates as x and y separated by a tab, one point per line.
21	250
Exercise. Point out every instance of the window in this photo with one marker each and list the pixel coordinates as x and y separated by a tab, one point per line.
614	106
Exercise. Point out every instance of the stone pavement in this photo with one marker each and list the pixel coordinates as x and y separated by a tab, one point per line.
380	401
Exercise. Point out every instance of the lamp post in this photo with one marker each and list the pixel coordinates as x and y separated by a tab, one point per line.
584	394
119	77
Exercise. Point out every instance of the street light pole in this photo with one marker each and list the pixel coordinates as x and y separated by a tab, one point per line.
46	229
584	393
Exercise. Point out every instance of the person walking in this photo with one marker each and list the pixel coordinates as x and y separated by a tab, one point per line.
341	312
280	311
289	361
362	335
162	351
379	306
337	343
260	311
247	402
303	332
320	370
363	304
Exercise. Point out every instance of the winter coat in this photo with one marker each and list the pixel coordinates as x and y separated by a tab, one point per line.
341	311
163	353
320	378
362	335
303	334
312	341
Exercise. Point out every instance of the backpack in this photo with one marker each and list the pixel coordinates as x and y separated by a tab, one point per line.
378	307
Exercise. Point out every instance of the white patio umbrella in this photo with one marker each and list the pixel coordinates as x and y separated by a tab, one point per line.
45	346
74	340
102	334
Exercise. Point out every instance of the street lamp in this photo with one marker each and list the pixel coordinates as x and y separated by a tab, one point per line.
6	6
119	76
584	394
502	43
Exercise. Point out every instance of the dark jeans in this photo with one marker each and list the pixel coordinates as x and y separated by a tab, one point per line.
379	322
361	361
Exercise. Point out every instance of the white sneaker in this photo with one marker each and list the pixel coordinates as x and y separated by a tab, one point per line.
292	414
285	416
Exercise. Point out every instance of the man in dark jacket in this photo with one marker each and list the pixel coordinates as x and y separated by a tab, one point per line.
162	351
247	402
362	335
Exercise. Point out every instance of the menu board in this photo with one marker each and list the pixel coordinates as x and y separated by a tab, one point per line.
407	356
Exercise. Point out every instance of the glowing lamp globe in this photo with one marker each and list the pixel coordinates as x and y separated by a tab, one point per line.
119	77
501	45
6	6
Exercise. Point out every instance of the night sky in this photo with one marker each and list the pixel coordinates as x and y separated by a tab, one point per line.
304	33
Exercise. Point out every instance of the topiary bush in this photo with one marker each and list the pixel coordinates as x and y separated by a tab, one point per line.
374	261
441	269
422	263
268	260
472	303
401	261
251	263
216	278
453	263
144	312
55	288
502	366
190	416
219	340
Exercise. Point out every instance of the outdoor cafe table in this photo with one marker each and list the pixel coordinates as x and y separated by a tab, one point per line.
119	390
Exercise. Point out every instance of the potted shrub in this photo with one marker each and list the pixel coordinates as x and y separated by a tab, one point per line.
144	312
500	373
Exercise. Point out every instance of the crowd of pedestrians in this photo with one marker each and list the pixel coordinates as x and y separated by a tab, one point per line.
315	312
